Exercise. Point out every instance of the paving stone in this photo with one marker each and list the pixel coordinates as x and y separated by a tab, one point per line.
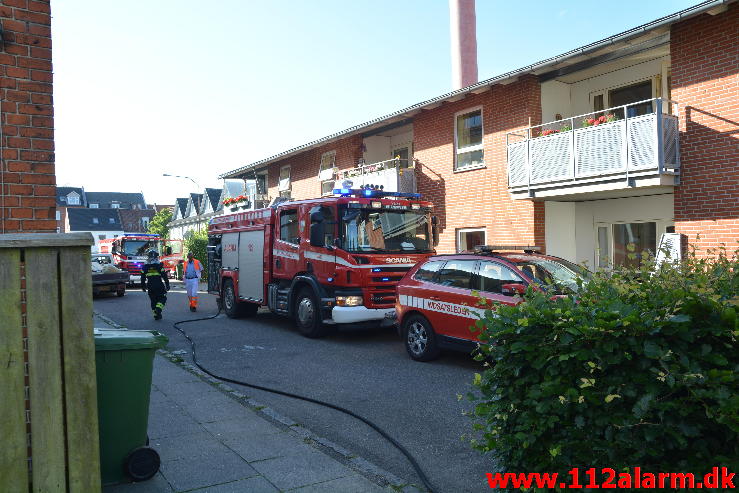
157	484
207	408
348	484
208	470
251	485
244	426
188	445
172	423
300	468
259	447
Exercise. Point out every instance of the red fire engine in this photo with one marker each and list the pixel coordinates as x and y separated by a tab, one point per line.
130	252
324	262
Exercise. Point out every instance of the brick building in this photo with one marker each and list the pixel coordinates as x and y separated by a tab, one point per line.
610	144
27	177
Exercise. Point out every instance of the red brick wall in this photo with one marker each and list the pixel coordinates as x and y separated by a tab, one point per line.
304	167
705	82
27	179
479	198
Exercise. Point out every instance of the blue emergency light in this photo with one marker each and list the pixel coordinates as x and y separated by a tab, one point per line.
371	193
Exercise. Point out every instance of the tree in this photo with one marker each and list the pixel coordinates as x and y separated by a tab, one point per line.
159	224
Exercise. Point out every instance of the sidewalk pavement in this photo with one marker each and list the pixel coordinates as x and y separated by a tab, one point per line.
213	439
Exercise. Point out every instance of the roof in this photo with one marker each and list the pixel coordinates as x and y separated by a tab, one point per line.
197	201
233	188
126	200
160	208
578	55
181	205
64	191
213	195
94	220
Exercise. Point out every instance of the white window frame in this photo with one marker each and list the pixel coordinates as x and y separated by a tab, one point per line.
58	215
115	206
470	230
477	147
323	167
280	186
73	199
94	206
661	226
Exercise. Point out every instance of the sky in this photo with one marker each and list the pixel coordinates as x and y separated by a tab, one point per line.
193	88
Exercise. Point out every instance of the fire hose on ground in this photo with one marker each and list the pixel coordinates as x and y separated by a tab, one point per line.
329	405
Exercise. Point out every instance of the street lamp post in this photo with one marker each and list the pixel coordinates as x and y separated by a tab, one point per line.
186	177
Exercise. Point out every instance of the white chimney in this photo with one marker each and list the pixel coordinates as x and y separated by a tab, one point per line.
464	43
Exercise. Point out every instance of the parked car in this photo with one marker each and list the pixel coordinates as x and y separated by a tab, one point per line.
106	277
438	300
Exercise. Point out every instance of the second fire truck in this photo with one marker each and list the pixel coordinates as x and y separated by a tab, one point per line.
130	252
323	262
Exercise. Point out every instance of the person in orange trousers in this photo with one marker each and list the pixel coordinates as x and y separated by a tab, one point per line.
192	273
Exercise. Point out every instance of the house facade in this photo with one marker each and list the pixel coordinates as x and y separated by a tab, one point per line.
101	223
27	174
584	154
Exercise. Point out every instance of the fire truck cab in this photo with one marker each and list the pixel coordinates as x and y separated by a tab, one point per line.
130	252
324	262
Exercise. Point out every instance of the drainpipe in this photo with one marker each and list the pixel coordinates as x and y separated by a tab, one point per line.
462	25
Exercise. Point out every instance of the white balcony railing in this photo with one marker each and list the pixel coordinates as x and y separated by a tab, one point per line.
393	175
634	140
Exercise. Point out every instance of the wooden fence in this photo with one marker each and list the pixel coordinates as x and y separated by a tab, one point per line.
48	401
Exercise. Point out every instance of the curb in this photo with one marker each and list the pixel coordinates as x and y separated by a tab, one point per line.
358	464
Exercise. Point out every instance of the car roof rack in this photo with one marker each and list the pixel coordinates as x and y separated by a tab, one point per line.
506	248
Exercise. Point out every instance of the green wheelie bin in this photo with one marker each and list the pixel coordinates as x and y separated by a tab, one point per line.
124	361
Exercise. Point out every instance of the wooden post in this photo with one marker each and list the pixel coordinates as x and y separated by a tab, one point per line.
60	357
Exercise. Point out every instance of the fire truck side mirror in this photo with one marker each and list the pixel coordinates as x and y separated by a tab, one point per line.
168	250
317	234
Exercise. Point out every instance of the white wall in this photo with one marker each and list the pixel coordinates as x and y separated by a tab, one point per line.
379	148
570	227
576	98
96	235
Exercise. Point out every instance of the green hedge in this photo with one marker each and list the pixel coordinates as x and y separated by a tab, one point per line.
197	243
639	369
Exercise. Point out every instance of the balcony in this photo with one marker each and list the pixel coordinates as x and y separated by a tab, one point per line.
393	175
626	148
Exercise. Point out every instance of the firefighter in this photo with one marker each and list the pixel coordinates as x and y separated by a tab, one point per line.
154	280
191	274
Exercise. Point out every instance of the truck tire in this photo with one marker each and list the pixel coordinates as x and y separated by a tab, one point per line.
233	307
121	292
308	315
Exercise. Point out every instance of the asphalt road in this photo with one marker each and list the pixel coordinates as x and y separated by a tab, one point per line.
367	371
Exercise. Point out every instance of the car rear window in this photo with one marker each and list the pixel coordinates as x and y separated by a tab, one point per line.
428	271
457	274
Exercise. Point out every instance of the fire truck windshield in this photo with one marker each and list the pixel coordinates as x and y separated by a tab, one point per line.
384	230
139	248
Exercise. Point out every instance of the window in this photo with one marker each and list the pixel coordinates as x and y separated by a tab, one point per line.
95	220
428	271
111	220
328	214
58	216
102	237
325	172
457	274
493	275
115	206
284	184
632	94
93	206
261	184
468	140
468	239
624	244
73	199
289	226
643	237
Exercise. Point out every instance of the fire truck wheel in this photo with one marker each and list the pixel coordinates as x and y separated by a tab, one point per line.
230	306
420	339
307	315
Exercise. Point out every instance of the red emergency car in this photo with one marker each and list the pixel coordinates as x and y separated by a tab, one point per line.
436	306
